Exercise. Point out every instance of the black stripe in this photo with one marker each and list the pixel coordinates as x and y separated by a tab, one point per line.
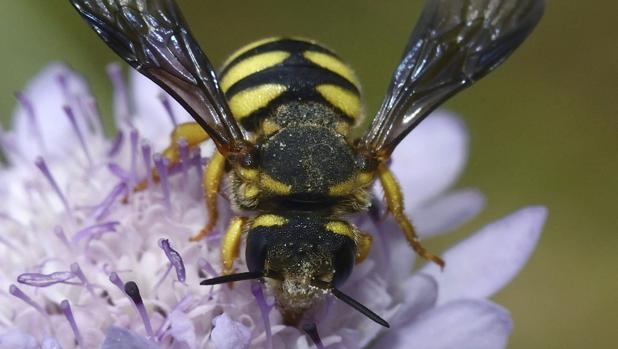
292	46
251	122
301	80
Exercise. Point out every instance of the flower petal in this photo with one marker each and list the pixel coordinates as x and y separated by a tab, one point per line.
119	338
15	339
462	324
182	328
482	264
447	212
431	158
419	294
151	119
50	343
229	334
47	98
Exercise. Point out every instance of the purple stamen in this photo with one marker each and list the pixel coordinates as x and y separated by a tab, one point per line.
183	146
92	109
168	108
59	232
147	156
163	277
64	86
161	164
119	172
258	293
131	289
199	167
116	144
207	267
68	313
40	163
44	280
71	115
95	231
134	137
175	259
121	97
77	271
116	280
34	123
104	206
15	291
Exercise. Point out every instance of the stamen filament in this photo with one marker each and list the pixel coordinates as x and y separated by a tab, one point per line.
66	309
132	291
15	291
40	163
116	144
77	271
163	97
71	115
175	259
121	98
161	164
265	308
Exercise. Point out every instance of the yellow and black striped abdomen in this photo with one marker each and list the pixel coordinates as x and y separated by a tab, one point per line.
269	73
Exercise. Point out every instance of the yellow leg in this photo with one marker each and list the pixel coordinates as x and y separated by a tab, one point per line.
230	247
394	201
192	133
363	246
212	182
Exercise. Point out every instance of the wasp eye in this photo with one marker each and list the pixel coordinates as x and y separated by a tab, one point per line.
343	262
256	251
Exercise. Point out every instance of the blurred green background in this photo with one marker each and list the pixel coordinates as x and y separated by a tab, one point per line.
544	128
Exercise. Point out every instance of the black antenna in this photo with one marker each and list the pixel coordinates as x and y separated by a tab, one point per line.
249	275
352	302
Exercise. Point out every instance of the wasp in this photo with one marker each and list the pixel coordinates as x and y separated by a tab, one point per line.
281	114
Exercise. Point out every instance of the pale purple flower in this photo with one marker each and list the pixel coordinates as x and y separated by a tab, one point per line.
87	263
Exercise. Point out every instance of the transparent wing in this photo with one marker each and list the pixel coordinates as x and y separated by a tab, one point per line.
455	43
152	36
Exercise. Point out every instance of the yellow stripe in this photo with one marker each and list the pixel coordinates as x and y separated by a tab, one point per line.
274	185
248	101
343	99
268	220
341	228
333	64
250	66
342	188
248	47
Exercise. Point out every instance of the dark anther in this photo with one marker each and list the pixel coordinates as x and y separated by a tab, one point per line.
133	291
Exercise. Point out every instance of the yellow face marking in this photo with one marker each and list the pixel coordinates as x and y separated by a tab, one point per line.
333	64
248	101
268	220
247	48
343	99
274	185
269	127
341	228
343	188
250	66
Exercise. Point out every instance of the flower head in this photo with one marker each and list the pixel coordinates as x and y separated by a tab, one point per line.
87	262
